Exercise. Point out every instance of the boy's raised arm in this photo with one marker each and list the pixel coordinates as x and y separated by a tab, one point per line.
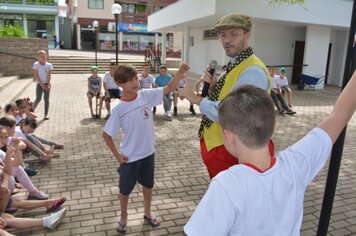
342	112
173	84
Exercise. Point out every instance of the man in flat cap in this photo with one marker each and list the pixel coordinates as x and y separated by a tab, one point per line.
243	68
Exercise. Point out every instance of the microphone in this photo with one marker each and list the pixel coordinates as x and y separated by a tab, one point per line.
212	66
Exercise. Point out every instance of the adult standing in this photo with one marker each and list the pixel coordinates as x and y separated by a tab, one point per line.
243	68
42	74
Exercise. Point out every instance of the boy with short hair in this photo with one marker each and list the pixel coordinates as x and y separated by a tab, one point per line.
133	116
146	80
283	85
110	87
162	80
264	195
94	90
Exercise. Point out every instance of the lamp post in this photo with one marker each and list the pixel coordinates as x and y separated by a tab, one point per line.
95	29
116	10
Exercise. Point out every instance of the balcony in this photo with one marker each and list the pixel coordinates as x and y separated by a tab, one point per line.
131	18
30	2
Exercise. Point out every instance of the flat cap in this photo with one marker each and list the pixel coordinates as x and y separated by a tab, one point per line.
234	20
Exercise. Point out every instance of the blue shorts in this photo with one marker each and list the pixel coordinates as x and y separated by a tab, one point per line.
285	89
114	93
141	171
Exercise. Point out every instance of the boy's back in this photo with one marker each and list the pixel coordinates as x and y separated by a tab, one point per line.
245	201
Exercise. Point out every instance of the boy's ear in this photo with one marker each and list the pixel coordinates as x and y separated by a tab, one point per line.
229	138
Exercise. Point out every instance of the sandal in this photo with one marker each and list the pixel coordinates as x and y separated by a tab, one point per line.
121	227
57	203
153	221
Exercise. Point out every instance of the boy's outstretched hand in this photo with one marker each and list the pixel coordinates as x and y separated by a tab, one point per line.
184	67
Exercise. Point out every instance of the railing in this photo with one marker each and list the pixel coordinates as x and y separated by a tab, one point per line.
18	55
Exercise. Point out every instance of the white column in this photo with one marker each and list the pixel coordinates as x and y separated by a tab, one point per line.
164	47
316	50
79	39
56	29
120	41
186	45
24	21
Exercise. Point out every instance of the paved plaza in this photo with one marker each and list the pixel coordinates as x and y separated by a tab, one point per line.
86	171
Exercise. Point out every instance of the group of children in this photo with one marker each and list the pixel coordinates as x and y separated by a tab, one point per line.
263	195
16	141
96	85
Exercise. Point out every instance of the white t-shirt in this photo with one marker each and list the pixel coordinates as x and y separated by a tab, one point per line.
275	82
146	82
42	70
243	201
19	133
283	82
2	155
135	120
19	118
109	81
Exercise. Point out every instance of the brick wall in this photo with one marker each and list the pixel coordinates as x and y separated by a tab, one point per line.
16	65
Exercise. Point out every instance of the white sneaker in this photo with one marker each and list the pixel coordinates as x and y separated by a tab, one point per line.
169	115
55	218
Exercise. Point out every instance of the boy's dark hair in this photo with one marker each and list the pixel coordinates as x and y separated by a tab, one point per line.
9	106
19	102
146	64
112	64
248	112
29	122
7	121
124	73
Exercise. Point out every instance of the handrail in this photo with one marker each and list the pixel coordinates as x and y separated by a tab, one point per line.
152	56
18	55
268	66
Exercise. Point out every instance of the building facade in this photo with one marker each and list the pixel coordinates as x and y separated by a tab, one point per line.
132	25
313	34
39	18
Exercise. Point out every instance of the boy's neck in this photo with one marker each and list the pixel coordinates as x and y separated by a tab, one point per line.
260	158
128	96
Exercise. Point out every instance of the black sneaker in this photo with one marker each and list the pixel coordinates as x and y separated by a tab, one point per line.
30	172
290	112
282	112
191	109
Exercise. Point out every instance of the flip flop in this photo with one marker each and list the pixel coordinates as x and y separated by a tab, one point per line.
153	221
57	203
121	227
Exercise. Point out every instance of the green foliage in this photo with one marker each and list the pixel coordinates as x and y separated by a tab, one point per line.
12	31
291	2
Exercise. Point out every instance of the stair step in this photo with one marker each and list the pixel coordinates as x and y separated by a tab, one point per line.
14	90
6	81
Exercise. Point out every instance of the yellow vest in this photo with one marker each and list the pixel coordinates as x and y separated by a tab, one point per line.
213	134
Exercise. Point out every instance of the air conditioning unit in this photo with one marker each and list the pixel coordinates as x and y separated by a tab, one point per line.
111	26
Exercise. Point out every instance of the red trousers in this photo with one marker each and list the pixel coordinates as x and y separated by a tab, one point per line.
219	159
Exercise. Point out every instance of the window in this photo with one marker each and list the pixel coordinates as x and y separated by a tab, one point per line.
210	34
157	8
96	4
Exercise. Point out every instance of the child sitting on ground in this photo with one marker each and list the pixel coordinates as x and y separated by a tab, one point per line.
7	220
134	117
264	195
17	170
94	90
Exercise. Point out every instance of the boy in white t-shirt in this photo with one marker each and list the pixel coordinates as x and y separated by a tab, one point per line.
134	117
110	87
283	85
264	195
42	74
